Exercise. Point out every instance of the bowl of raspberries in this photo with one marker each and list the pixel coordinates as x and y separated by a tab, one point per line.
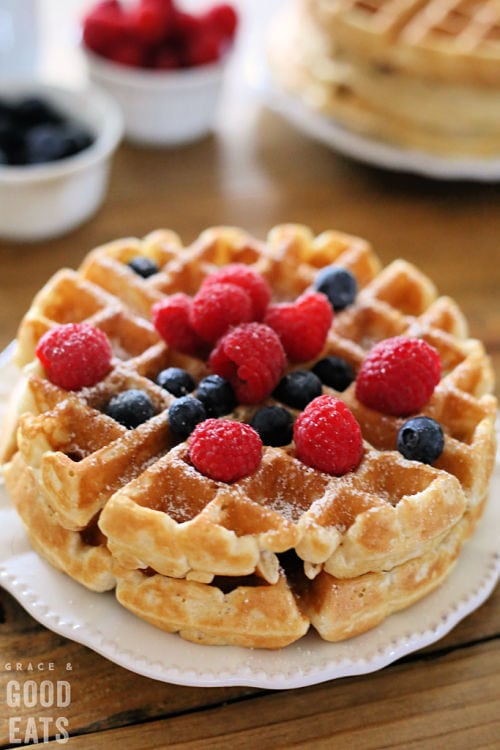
163	64
56	148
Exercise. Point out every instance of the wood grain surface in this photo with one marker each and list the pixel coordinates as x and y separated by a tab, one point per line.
257	171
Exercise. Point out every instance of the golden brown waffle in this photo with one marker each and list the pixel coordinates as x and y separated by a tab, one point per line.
452	40
254	562
422	75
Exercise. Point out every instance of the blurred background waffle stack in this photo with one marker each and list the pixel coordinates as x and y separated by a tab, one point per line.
418	74
256	561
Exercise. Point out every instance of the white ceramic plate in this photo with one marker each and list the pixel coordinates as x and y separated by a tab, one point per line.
329	132
99	622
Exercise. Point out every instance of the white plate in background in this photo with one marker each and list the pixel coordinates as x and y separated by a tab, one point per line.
327	131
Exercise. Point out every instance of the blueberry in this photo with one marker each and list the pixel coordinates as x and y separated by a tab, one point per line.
176	381
184	415
76	138
298	388
217	395
338	284
130	408
421	439
10	135
44	143
334	372
274	425
143	266
33	110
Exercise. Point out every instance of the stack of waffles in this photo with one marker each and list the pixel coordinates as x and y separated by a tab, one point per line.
258	561
421	74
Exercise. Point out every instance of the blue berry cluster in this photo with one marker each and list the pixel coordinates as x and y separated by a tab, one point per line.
32	131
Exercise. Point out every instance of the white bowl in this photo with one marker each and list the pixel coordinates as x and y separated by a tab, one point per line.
161	107
42	201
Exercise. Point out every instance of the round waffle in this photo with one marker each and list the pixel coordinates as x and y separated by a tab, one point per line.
419	75
257	561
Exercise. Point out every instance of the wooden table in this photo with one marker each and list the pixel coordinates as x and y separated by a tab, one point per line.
256	171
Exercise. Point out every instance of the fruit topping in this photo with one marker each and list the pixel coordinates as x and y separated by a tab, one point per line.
398	376
143	266
217	395
171	318
225	450
302	325
130	408
183	416
252	358
421	439
157	34
334	372
222	18
327	436
339	285
274	424
248	279
75	355
217	307
33	132
176	381
298	388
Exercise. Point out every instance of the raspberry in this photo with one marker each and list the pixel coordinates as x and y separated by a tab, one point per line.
166	59
105	25
152	19
216	308
75	355
252	358
253	283
129	52
398	376
223	19
224	450
302	325
327	436
171	320
202	50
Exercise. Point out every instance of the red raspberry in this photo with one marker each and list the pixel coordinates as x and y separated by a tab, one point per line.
128	52
216	308
223	19
224	450
152	20
252	282
302	325
202	49
252	358
186	24
327	436
106	25
398	376
171	320
75	355
166	58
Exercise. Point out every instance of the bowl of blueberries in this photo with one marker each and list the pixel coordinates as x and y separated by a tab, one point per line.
163	65
56	146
